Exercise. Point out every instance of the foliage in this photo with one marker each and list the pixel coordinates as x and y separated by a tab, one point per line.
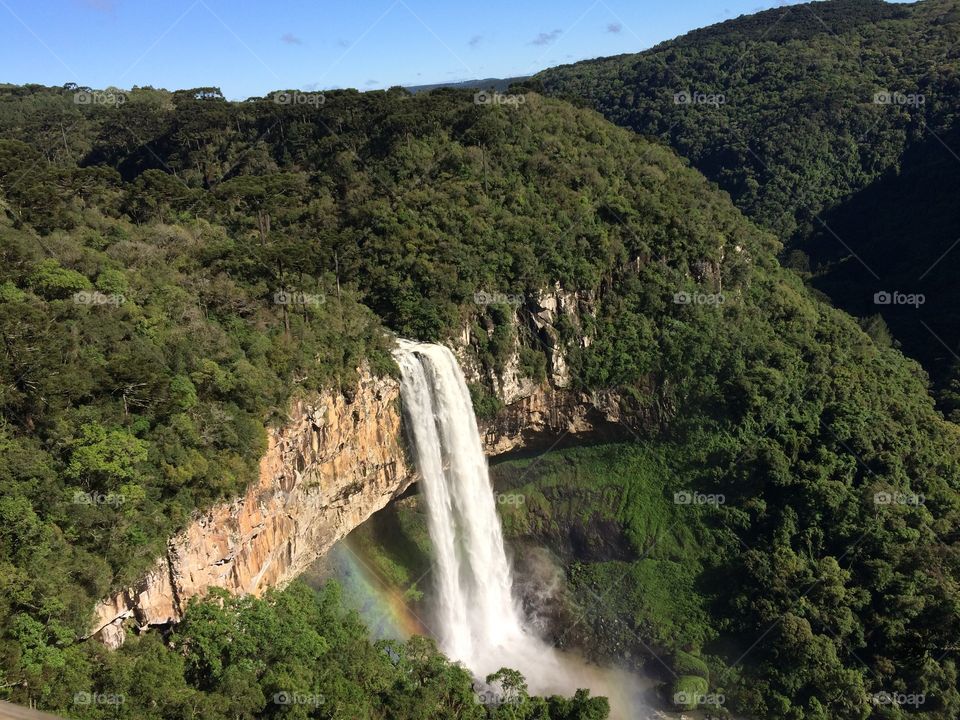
687	689
798	128
260	250
486	404
832	124
297	653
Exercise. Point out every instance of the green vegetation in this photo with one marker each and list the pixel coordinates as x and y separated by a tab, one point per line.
797	129
781	405
486	404
683	588
261	249
295	654
902	227
833	125
397	549
687	689
634	557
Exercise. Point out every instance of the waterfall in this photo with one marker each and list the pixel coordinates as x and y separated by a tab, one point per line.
478	621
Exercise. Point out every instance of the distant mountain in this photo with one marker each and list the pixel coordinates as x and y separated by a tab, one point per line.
794	22
801	110
498	84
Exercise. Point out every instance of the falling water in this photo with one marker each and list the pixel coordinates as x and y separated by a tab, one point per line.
478	621
477	617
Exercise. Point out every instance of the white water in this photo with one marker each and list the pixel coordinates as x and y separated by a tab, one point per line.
478	621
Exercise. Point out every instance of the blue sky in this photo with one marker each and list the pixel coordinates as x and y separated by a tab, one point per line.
249	48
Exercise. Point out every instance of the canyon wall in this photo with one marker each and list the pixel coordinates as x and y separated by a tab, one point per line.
338	459
540	414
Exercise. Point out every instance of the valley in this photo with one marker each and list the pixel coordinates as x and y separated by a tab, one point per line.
630	393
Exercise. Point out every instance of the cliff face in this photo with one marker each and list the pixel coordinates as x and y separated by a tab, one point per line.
336	462
542	414
339	459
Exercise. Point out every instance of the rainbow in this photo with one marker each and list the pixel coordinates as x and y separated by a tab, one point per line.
381	606
388	616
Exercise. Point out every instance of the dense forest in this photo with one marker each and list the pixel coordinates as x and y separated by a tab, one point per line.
176	267
801	111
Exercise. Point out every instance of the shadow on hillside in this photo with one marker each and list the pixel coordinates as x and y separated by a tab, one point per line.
904	229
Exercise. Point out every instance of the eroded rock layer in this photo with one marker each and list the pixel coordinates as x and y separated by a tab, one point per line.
333	464
338	459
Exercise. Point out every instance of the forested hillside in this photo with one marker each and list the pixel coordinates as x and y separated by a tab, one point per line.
797	112
176	266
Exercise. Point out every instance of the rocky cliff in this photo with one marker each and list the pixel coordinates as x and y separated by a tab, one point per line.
541	414
338	459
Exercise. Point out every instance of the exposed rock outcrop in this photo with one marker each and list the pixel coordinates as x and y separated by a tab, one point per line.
548	416
340	458
336	462
539	414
